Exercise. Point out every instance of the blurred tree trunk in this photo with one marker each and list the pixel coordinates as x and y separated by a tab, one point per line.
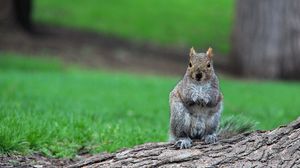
16	13
266	39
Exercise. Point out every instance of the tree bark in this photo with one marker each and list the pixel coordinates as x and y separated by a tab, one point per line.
266	39
276	148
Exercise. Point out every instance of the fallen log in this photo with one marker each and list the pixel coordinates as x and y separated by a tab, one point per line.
276	148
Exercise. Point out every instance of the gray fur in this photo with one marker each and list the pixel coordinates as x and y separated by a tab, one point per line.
196	108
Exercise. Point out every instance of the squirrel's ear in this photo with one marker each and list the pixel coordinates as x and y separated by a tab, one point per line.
192	52
209	52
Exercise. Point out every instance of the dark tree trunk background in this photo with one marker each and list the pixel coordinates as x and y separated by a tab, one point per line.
16	13
276	148
266	39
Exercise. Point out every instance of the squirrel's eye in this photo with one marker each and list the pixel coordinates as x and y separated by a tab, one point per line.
208	65
190	64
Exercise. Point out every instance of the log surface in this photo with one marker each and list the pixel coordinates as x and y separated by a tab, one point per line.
277	148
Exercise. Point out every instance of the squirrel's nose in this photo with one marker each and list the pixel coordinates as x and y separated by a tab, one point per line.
199	76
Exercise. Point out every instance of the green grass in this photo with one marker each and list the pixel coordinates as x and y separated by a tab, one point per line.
60	110
198	23
14	62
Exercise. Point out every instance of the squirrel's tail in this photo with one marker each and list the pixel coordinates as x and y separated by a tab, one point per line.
232	126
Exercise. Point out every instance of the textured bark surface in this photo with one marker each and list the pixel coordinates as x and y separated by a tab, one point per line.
276	148
266	39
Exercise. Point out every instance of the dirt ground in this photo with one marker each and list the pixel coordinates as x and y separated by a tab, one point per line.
34	161
99	51
94	50
91	50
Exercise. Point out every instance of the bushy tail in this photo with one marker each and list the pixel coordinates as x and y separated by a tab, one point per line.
234	125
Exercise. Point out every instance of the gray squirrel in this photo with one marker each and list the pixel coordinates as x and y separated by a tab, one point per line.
196	103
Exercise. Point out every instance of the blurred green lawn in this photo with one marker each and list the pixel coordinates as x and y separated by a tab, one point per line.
57	110
198	23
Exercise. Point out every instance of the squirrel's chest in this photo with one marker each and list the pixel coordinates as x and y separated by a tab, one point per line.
199	90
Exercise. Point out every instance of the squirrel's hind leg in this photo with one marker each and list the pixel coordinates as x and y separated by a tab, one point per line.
213	123
180	123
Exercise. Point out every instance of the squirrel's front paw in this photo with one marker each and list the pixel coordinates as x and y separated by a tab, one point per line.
184	143
190	103
202	102
210	139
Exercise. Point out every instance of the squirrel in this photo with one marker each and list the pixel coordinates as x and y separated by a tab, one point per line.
196	103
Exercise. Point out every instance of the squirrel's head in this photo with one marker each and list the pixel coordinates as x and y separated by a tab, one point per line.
200	67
